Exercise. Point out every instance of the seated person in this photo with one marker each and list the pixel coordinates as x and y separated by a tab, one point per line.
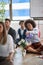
21	32
9	29
6	46
32	36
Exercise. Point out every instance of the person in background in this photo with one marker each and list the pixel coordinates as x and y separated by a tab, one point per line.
6	46
21	31
10	30
32	36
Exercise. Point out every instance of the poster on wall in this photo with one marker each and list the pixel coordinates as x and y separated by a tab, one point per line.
37	8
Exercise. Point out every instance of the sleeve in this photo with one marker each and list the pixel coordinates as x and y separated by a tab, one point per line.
14	35
11	44
17	34
34	31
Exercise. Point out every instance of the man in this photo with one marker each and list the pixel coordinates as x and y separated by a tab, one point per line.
21	31
10	30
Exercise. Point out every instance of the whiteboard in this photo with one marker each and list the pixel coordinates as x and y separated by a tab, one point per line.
36	8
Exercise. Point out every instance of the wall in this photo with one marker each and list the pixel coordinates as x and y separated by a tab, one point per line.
15	25
40	26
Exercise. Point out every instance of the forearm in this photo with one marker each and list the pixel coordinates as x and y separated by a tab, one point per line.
32	32
10	57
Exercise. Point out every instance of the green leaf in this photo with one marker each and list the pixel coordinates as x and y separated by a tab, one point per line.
2	10
23	44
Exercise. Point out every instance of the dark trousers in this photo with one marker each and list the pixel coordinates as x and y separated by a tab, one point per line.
3	61
37	46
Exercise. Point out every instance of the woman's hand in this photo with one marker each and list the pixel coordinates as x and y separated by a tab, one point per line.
10	57
27	33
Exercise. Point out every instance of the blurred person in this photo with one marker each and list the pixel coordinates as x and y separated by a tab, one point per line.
10	30
6	46
32	36
21	31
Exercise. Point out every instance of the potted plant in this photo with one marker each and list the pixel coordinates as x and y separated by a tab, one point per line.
22	45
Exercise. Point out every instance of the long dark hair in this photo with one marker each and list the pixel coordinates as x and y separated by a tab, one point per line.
4	33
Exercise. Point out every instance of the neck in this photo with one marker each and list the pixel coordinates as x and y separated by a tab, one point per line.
7	28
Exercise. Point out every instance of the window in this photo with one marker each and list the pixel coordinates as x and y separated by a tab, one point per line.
20	9
17	9
6	8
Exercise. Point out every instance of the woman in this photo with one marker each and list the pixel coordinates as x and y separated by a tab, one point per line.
6	46
32	36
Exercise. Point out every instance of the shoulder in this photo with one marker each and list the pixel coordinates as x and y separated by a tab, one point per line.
25	30
12	30
9	37
36	29
19	29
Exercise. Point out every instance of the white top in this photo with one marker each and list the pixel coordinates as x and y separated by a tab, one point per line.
34	31
33	36
7	48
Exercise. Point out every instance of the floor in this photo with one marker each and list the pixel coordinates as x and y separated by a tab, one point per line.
27	59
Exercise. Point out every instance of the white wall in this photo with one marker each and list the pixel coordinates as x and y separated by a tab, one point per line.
40	26
15	25
39	23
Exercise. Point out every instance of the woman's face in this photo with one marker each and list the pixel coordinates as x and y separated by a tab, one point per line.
29	26
1	28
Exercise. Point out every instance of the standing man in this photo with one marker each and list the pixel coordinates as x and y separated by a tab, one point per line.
10	30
